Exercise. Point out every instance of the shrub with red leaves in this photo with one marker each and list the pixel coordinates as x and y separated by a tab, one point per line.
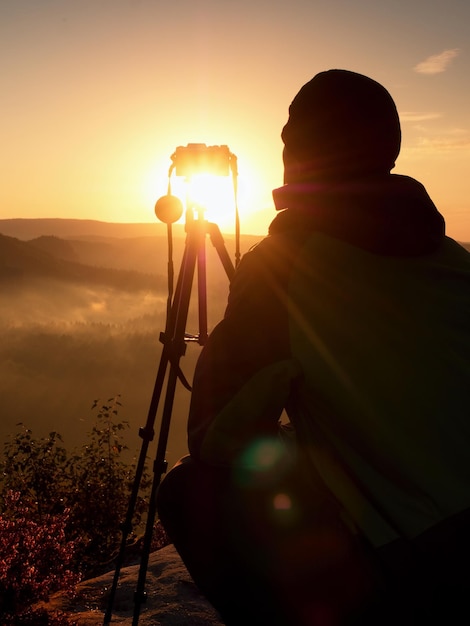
35	557
61	513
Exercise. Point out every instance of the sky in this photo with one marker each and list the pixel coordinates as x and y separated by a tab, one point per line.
96	95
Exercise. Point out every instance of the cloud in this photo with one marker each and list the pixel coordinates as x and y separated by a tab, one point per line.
437	62
445	143
416	116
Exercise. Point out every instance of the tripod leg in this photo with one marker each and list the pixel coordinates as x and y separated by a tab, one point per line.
147	435
159	470
172	351
202	294
218	243
177	348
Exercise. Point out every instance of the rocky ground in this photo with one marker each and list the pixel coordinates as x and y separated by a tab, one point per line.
172	597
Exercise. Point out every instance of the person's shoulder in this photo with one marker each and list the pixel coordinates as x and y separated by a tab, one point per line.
453	249
275	247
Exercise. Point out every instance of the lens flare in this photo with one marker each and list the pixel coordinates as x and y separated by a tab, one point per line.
282	502
263	455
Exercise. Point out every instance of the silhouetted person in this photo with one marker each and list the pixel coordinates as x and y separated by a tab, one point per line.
353	316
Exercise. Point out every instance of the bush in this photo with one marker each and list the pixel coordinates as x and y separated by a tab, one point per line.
37	557
61	514
36	469
100	483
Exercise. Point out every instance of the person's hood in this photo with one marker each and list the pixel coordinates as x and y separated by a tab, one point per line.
390	215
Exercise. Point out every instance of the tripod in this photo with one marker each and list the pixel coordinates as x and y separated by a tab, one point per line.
174	340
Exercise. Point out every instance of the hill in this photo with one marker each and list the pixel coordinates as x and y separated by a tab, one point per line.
94	230
78	229
140	247
55	259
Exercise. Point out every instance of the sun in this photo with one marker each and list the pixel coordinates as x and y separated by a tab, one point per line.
218	199
213	197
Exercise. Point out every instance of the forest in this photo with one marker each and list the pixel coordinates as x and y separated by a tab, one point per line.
81	312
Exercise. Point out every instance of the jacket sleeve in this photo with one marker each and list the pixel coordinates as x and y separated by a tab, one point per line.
244	373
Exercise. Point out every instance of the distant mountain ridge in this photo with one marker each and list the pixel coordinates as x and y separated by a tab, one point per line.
125	256
119	255
52	258
25	228
60	248
67	228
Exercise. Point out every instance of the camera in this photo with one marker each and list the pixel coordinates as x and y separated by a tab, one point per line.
197	158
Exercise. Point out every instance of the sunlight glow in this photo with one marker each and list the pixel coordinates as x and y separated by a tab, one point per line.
216	198
215	195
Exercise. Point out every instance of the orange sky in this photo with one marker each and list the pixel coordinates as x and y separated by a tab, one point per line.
96	96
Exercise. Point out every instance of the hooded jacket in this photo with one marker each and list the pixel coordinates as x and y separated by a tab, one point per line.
353	316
